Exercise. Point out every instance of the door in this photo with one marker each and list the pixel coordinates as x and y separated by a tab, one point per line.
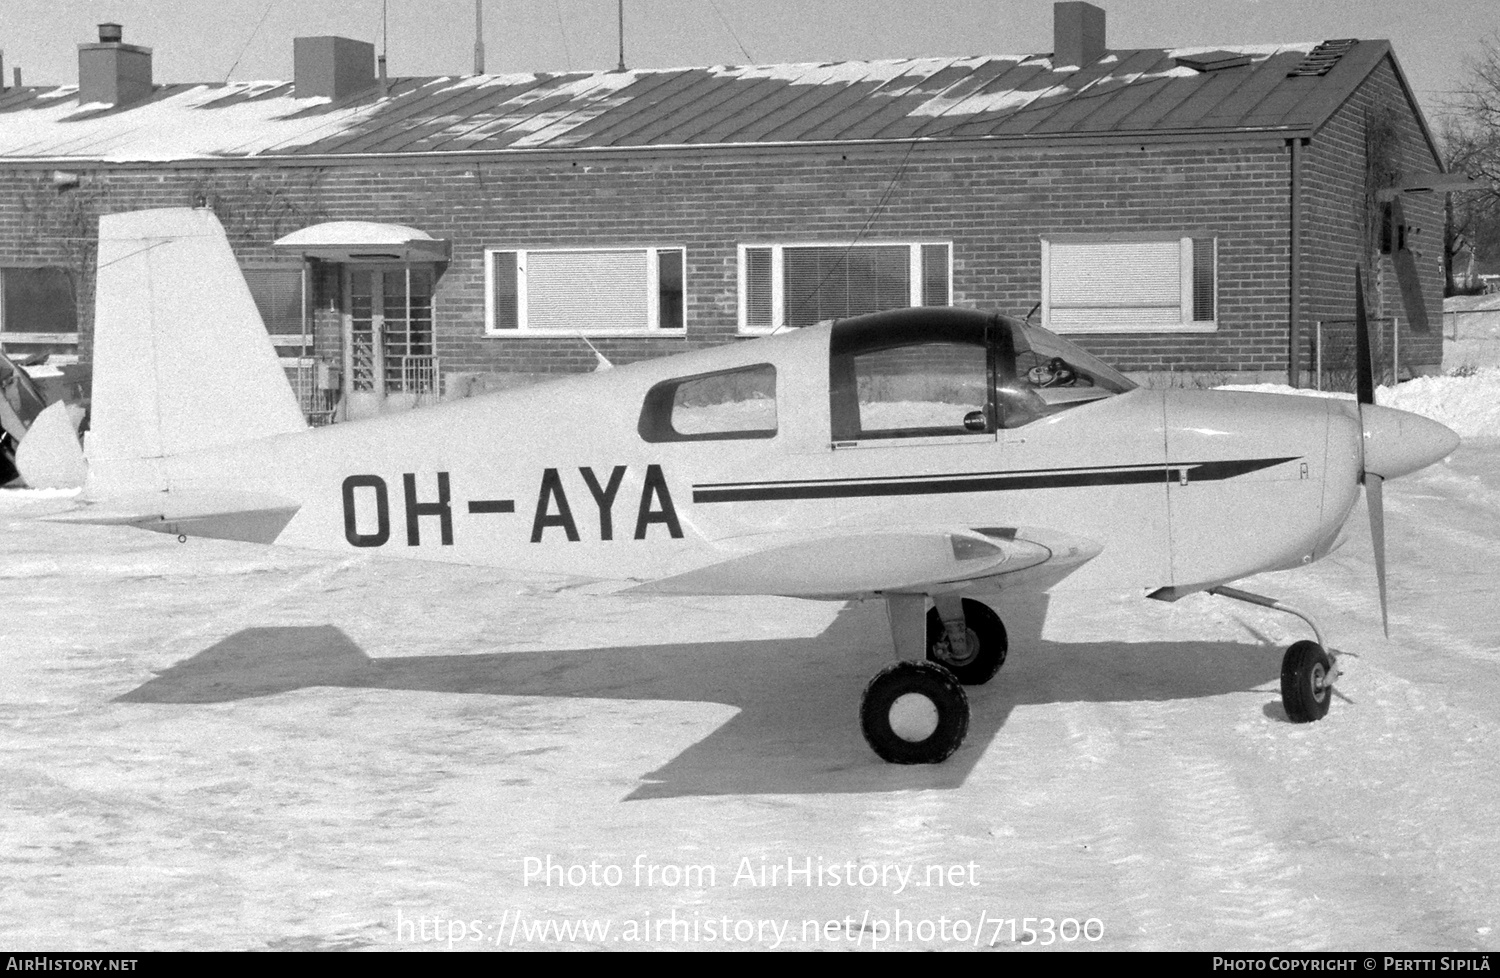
389	357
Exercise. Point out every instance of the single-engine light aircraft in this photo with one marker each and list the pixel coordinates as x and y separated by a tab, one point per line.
925	457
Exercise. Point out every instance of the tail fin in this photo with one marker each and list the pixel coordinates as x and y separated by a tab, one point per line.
182	360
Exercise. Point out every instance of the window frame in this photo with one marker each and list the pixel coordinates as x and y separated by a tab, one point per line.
301	343
852	340
1186	281
915	275
655	422
653	293
19	338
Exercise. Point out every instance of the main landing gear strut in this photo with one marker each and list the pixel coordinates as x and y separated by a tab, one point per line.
916	711
1308	671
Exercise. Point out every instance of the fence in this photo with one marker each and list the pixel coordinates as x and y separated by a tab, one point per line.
317	397
1471	339
1333	352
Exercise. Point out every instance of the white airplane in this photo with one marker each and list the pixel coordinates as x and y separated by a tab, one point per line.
923	457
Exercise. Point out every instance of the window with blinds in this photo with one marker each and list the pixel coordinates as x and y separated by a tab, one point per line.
799	285
1118	285
280	296
620	291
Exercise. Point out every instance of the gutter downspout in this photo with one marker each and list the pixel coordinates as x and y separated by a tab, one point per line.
1294	332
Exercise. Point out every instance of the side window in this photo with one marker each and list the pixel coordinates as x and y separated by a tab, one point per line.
729	404
1042	374
915	390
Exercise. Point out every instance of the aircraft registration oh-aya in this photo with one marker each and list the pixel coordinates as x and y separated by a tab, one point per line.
925	457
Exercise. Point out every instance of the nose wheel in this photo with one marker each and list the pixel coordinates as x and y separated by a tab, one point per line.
1307	674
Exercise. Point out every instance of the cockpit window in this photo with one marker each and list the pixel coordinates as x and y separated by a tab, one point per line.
932	388
1043	374
728	404
953	372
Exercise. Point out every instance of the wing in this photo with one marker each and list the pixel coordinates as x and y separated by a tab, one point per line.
863	562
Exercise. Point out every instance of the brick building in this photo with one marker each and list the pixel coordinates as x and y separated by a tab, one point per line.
1186	211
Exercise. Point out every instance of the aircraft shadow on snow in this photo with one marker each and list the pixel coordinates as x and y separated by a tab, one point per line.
796	730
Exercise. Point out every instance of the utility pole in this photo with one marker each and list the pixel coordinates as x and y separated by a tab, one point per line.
478	37
622	36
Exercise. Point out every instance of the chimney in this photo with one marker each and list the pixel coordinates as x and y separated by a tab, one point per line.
1077	34
113	72
331	67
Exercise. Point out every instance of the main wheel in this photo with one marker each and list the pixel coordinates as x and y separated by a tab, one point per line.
914	713
977	664
1305	690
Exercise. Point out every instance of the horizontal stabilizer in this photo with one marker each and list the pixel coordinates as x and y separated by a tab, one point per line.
220	515
50	456
855	563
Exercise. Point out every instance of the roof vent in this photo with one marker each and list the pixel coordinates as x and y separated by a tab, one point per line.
1212	60
1321	59
112	72
1077	34
331	67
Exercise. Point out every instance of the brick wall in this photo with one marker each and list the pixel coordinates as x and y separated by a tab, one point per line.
995	204
1370	140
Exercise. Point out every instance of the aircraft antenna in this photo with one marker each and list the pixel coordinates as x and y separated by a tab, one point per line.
603	363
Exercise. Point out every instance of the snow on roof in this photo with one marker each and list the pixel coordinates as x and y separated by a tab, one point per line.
199	121
986	97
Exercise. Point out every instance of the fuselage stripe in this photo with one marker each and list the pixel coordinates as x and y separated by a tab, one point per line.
981	482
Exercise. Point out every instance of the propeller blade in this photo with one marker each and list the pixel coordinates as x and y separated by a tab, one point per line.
1365	393
1376	502
1364	370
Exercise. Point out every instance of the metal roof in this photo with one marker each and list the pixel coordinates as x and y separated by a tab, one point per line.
1289	88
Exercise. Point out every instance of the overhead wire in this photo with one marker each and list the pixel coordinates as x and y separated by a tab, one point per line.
246	46
562	32
723	20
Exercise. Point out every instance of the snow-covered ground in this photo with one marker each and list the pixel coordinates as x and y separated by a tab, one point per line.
214	745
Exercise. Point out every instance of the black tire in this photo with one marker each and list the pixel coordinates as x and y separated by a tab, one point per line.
1305	691
889	732
980	666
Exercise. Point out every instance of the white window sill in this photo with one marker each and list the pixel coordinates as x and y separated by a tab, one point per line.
1142	328
37	338
521	334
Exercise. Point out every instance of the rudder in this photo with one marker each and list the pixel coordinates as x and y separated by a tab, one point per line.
182	360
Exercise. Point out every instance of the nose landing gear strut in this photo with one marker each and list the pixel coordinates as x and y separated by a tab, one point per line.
1308	670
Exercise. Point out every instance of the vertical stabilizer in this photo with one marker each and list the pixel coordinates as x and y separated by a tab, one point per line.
182	360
